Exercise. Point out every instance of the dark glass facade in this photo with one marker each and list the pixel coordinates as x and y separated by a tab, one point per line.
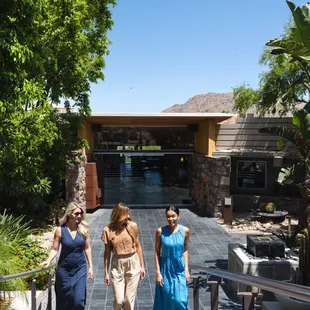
144	138
144	180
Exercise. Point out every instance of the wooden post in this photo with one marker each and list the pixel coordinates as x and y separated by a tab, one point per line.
248	301
196	292
214	294
228	210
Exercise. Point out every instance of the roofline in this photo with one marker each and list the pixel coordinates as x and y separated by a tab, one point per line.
163	115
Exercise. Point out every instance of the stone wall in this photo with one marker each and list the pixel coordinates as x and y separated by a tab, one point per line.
210	182
76	183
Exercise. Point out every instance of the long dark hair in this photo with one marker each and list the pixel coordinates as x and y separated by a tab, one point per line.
173	208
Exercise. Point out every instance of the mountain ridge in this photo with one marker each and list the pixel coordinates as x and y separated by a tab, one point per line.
205	103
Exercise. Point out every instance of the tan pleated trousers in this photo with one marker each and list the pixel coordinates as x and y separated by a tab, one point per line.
125	276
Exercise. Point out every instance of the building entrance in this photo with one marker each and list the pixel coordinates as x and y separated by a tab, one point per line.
144	179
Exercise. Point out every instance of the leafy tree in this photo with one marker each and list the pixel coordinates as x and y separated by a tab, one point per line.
287	82
50	53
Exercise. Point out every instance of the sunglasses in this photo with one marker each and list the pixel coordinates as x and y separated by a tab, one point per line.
77	213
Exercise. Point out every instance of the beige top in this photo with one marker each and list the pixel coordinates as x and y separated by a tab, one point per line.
120	242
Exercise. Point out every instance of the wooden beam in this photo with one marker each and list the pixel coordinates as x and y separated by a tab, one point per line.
211	136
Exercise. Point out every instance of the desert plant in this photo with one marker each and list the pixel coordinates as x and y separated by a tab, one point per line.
270	207
13	230
262	206
289	240
304	257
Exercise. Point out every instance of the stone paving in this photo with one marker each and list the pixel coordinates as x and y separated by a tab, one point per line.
208	245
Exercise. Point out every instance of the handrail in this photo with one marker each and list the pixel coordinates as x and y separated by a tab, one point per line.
293	290
25	273
34	285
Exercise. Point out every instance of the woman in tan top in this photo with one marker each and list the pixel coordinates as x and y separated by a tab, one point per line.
120	237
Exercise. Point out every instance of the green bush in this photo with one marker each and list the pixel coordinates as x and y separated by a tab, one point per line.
32	254
10	263
19	252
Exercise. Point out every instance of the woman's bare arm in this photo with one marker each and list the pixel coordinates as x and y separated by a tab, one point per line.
89	256
106	257
159	278
140	254
185	253
55	248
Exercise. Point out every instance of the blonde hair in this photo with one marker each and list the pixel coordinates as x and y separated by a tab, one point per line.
83	227
120	212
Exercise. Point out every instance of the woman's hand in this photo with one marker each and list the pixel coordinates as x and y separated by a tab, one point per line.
159	280
45	264
142	273
188	276
90	273
106	279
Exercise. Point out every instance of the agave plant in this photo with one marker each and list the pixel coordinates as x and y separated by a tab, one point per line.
13	230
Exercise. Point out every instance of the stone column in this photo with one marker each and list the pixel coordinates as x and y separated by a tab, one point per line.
76	183
210	182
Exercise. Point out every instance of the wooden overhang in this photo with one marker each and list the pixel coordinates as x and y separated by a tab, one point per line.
155	119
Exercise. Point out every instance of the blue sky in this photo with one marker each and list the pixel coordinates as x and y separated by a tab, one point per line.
166	51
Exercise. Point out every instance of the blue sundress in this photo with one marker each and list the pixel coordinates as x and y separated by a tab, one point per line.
173	295
71	273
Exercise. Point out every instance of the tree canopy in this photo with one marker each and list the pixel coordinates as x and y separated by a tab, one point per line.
50	53
287	82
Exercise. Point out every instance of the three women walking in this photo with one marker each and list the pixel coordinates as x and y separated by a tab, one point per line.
121	241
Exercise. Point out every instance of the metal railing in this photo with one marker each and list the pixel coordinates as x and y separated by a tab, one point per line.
34	285
292	290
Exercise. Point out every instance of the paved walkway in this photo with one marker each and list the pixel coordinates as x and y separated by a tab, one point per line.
208	244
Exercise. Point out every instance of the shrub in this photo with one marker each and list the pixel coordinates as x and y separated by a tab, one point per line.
19	252
32	254
10	263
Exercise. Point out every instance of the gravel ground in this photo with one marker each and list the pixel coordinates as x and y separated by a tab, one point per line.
249	223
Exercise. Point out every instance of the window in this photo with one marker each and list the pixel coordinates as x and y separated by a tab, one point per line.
251	174
144	138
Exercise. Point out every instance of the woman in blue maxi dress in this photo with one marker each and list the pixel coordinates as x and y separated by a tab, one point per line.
71	272
171	260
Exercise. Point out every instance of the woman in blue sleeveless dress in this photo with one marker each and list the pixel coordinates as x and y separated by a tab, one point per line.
171	261
71	272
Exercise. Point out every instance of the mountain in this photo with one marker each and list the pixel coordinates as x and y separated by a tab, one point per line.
211	102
